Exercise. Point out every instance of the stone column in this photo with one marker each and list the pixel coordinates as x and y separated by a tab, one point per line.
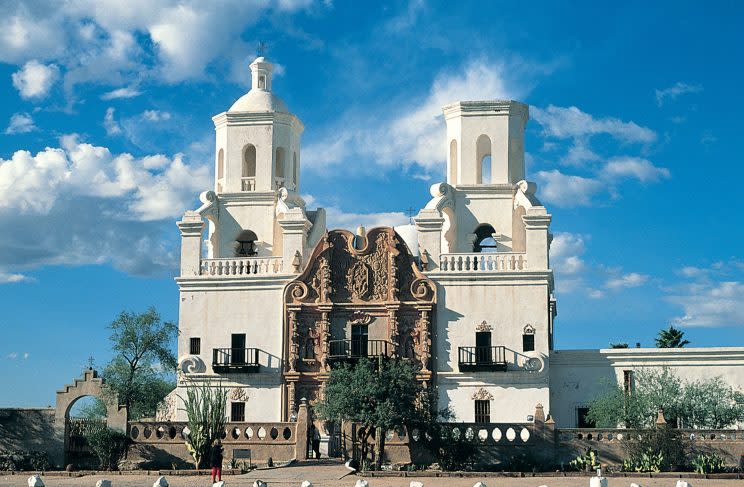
536	222
301	431
429	224
294	345
191	227
325	336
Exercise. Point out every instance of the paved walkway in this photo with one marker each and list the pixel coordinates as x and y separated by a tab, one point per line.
330	476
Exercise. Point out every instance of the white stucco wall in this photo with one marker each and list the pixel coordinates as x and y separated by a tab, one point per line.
578	376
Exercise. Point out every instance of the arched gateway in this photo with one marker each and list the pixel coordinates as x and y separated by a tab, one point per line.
359	296
89	385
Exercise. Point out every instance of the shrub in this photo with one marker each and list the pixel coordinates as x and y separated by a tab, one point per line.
656	449
455	451
24	460
109	445
708	463
585	463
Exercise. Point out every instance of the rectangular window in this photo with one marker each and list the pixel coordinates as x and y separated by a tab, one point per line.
581	421
528	343
482	411
195	346
237	412
628	381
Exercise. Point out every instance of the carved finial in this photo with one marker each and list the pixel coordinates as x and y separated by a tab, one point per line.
297	262
660	420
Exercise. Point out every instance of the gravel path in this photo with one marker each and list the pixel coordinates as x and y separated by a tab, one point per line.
329	476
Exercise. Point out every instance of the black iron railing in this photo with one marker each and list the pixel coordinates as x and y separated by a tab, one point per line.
356	349
481	358
235	359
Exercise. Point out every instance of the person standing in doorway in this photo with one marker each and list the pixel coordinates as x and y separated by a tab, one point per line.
215	461
316	442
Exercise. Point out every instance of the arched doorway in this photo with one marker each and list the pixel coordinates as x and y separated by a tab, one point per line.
86	416
90	385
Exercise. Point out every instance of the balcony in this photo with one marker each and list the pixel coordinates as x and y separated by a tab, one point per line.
353	350
481	263
481	359
248	184
243	266
235	360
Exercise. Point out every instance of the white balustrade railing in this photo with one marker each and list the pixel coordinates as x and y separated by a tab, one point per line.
483	262
246	266
248	184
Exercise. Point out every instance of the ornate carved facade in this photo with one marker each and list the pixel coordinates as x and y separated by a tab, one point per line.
357	297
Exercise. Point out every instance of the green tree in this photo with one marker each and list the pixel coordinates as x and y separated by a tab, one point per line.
702	404
619	345
205	406
378	395
141	372
671	338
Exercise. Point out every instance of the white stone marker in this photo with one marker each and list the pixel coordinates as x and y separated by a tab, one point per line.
103	483
683	483
35	481
480	484
221	483
598	481
306	483
361	483
160	482
635	485
415	483
260	483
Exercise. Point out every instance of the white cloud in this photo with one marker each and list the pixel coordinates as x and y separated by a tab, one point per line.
634	167
20	123
109	122
6	278
567	190
570	122
12	355
629	280
565	253
35	80
26	355
410	133
595	294
126	92
714	304
675	91
80	204
155	115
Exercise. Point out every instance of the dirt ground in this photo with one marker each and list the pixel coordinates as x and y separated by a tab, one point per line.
336	476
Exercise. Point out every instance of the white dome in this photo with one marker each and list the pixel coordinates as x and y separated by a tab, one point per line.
259	101
409	234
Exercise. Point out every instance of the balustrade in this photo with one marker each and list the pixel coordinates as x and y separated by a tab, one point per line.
244	266
483	262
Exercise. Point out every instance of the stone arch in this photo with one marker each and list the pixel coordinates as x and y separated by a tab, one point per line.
249	161
483	159
89	385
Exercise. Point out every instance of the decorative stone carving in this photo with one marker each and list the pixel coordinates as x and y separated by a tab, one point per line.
482	395
238	394
441	194
360	318
483	326
525	195
358	280
529	330
294	345
166	410
192	364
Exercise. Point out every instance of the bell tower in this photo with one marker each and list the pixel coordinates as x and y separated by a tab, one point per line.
485	142
257	140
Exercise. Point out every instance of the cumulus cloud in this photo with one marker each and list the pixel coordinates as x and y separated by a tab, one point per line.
633	167
155	115
6	278
120	42
565	253
675	91
412	132
20	123
632	279
570	122
338	218
127	92
567	190
82	204
34	80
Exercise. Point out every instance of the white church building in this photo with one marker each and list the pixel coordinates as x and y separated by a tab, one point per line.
271	299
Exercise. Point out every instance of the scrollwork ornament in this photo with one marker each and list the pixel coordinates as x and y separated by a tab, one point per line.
482	395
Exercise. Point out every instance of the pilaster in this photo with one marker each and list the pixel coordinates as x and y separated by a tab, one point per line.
192	228
537	222
429	224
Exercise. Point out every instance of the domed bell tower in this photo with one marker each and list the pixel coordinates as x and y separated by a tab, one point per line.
257	140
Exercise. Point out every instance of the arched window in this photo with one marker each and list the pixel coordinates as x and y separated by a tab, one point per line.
528	339
221	164
279	170
453	162
484	241
483	160
262	82
249	161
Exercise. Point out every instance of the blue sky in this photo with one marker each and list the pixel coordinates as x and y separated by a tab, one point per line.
634	142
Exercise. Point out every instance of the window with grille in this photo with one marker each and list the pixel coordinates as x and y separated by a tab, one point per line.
628	381
195	346
237	412
528	343
482	411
